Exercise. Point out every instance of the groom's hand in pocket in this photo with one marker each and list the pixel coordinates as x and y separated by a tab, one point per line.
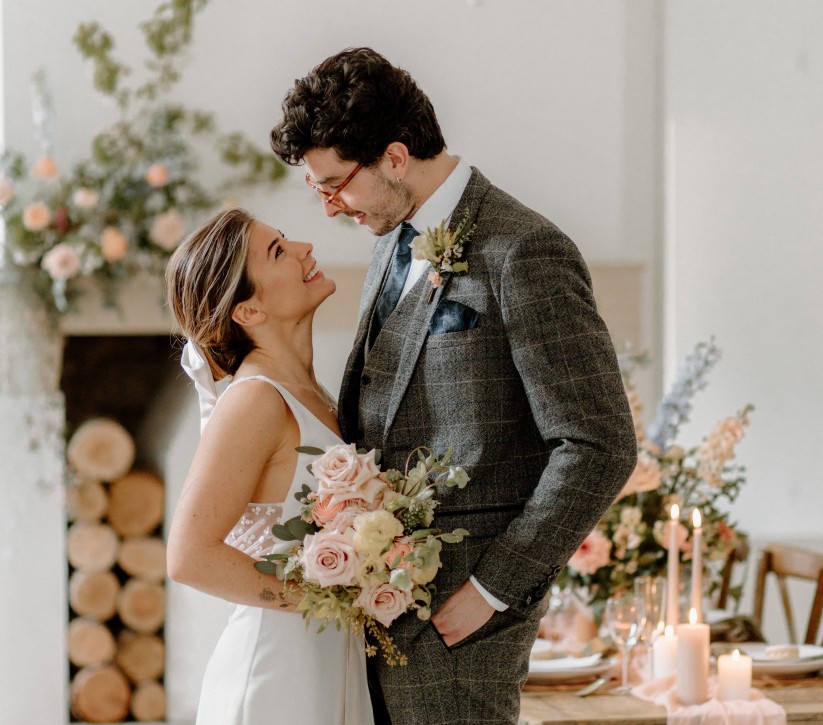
462	614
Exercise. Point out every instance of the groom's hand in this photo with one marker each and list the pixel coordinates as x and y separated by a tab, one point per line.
463	613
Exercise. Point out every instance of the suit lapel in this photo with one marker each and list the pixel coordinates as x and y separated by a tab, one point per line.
418	326
350	387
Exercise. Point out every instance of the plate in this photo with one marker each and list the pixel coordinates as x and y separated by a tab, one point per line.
809	661
568	669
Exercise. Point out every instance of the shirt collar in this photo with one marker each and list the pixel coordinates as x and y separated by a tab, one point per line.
442	202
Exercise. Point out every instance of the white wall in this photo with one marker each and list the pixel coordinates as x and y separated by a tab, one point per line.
744	252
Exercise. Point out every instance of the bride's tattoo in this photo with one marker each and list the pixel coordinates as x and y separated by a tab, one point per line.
267	595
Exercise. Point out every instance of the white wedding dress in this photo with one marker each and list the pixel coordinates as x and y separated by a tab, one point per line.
268	667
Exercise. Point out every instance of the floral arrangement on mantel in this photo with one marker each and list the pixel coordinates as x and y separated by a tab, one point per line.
630	540
127	205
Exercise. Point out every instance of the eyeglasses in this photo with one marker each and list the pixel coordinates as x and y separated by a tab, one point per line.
331	197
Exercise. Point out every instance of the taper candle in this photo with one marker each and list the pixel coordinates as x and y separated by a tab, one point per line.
673	570
697	564
692	661
734	676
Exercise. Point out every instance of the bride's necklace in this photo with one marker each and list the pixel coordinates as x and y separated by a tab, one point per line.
321	394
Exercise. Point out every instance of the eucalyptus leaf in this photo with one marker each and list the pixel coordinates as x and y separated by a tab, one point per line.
423	533
299	528
281	532
266	567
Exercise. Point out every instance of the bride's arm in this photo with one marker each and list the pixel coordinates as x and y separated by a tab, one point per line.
251	429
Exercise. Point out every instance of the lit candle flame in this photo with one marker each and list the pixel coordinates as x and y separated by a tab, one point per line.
675	511
692	616
697	520
736	654
669	631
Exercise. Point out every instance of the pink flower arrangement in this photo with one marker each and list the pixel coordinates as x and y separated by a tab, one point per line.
363	552
631	538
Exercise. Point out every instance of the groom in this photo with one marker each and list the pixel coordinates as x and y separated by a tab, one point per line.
504	359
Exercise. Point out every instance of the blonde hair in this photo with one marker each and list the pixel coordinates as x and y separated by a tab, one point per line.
206	278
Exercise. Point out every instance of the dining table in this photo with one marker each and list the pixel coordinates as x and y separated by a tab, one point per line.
559	705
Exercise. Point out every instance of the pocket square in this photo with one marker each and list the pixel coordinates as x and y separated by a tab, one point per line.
451	316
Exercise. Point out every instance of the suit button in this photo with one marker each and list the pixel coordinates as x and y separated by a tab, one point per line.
365	380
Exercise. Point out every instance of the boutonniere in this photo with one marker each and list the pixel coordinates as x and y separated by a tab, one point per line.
444	249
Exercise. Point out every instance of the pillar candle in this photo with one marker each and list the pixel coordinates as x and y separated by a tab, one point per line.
734	676
697	565
673	570
692	661
664	653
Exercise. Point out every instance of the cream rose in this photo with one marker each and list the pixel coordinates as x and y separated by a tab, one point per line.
45	168
84	198
113	244
167	229
374	532
36	216
383	602
157	175
345	475
61	262
329	558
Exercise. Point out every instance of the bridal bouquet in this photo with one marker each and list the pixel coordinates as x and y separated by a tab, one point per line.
364	551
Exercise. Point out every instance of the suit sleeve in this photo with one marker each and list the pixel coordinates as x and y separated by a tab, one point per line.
568	367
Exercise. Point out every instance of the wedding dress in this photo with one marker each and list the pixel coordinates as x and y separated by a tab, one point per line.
268	667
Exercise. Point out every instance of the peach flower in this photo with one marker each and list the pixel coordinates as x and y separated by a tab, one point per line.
36	216
399	549
645	477
113	244
383	602
328	558
61	262
44	168
592	554
157	175
325	510
6	191
167	229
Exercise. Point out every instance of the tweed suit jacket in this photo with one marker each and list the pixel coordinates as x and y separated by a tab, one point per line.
530	399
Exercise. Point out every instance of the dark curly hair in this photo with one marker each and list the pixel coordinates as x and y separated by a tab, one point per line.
206	277
357	103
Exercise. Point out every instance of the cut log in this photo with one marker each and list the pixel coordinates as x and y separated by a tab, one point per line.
100	694
140	656
148	702
136	503
87	501
94	594
143	557
142	605
92	546
90	642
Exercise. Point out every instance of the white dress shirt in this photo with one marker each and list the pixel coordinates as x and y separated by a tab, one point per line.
437	208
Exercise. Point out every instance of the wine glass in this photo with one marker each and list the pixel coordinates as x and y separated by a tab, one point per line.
625	617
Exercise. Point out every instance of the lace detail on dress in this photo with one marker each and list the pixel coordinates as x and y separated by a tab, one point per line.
252	534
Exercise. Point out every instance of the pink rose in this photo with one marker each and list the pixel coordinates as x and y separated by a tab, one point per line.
435	279
167	229
157	175
398	550
344	474
593	553
36	216
344	521
328	558
113	244
325	510
61	262
44	168
383	602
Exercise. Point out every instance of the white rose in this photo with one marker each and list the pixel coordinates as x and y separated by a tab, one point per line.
344	474
84	198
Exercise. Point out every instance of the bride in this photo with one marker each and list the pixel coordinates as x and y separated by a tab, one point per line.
245	296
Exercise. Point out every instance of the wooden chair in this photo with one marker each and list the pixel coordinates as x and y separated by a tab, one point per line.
736	556
788	561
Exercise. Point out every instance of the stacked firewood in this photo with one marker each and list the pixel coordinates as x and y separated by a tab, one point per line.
117	570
